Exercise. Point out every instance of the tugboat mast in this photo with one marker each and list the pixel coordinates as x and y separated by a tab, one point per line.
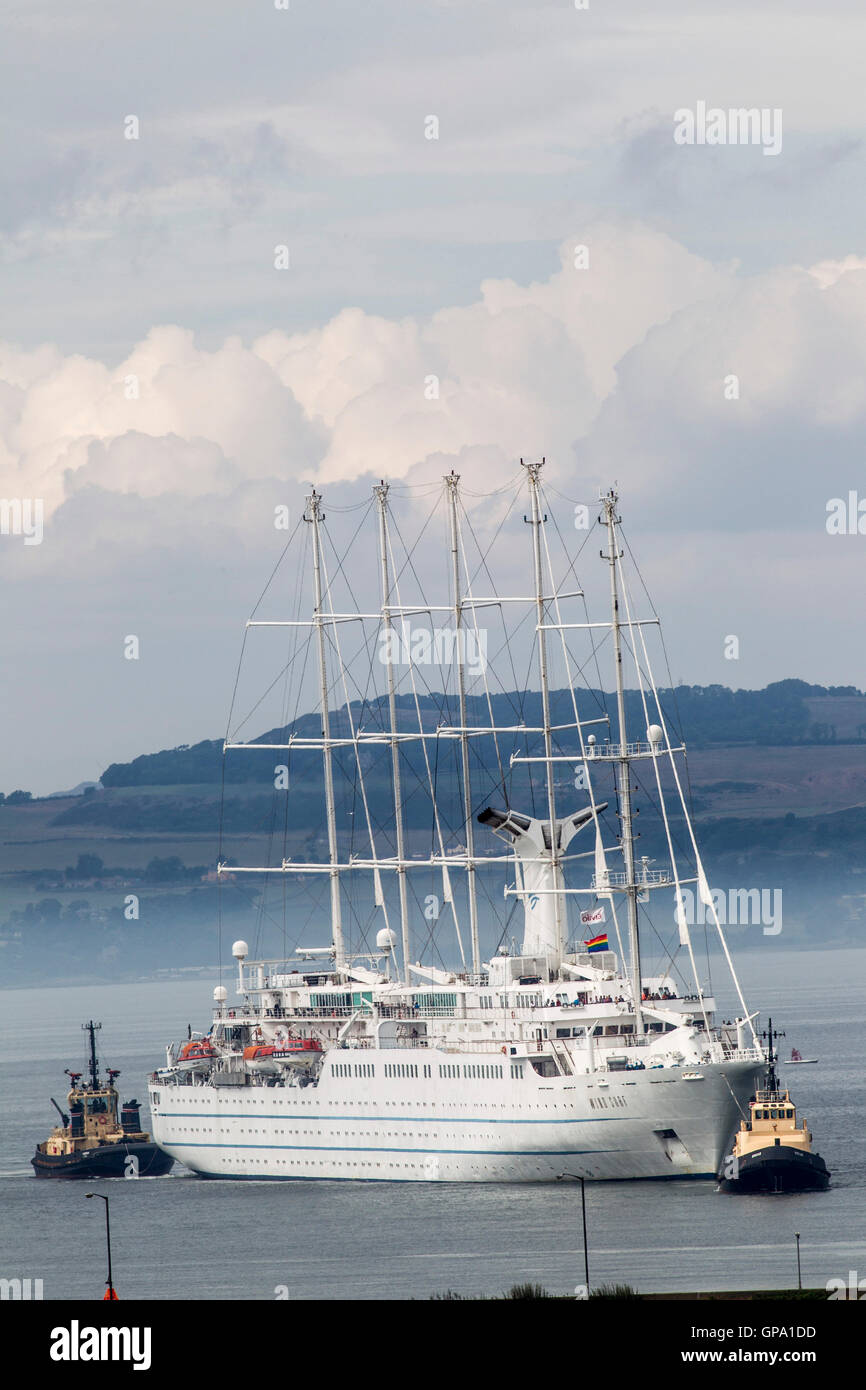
771	1035
93	1063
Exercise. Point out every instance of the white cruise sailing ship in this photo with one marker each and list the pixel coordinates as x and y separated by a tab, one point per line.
562	1054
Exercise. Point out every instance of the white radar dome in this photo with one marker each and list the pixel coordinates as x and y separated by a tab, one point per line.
220	994
386	940
655	733
240	950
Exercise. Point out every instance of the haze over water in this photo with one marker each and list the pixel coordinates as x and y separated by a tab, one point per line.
185	1238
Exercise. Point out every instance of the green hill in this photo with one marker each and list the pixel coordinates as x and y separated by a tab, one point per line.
777	779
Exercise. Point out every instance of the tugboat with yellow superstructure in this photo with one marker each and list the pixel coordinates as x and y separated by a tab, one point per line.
772	1152
91	1141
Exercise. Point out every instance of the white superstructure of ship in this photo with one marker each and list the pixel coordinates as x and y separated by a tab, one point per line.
550	1057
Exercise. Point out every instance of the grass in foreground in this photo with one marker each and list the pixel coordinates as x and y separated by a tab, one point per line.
610	1292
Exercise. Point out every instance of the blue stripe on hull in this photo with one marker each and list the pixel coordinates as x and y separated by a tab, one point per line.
381	1119
355	1148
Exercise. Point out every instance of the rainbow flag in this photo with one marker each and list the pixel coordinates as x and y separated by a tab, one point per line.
598	943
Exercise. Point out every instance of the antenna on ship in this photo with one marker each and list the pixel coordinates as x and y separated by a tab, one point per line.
92	1062
314	503
611	520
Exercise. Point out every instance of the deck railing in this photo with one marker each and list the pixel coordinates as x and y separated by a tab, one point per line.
602	1008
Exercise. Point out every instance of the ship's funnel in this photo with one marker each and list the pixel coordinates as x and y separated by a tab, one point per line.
539	880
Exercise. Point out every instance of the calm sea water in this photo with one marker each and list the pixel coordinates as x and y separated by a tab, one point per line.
181	1237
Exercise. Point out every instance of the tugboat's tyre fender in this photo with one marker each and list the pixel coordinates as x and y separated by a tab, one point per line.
103	1119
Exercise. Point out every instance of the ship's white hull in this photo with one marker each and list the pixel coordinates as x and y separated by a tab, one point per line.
463	1126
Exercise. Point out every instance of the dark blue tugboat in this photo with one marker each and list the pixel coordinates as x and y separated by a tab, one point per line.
772	1152
92	1141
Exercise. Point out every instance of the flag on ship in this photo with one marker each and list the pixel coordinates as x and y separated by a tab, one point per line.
598	943
592	916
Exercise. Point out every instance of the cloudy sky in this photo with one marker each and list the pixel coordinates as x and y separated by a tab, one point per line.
166	379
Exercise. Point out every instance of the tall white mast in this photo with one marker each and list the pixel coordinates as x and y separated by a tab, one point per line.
382	498
314	502
452	480
532	472
611	520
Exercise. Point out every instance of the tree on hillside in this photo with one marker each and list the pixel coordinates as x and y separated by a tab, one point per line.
167	870
88	866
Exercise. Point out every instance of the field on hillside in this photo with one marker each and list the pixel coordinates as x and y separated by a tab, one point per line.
77	920
748	783
811	780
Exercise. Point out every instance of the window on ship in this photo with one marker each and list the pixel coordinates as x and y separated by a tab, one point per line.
545	1066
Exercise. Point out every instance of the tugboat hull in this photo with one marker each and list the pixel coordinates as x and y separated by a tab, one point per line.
105	1161
776	1169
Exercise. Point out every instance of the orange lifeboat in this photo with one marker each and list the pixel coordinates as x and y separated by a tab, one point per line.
196	1053
298	1047
302	1053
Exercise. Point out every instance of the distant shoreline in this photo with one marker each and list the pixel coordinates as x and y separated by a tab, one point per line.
208	972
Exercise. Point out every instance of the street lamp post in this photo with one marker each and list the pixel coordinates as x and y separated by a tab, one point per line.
110	1293
799	1276
575	1177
